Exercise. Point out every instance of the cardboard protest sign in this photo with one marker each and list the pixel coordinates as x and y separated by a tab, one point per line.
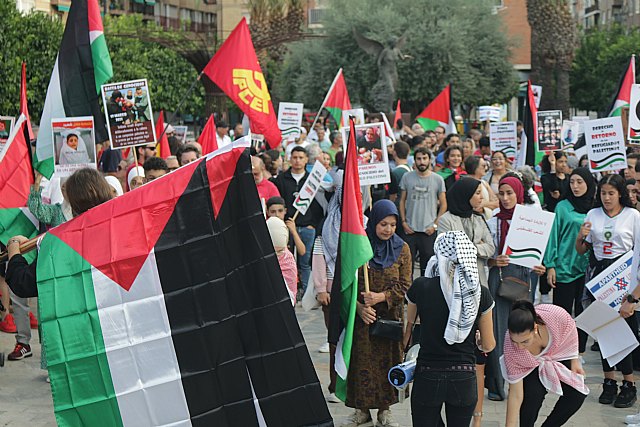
633	135
614	283
570	134
373	158
488	113
528	236
549	130
290	119
537	94
605	144
358	113
6	126
74	144
310	188
180	132
127	106
503	137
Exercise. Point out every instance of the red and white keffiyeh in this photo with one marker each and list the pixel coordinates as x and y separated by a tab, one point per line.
563	345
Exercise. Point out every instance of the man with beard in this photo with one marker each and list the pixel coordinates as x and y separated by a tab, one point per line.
422	202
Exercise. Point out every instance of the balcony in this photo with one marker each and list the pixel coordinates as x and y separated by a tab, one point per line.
316	17
178	24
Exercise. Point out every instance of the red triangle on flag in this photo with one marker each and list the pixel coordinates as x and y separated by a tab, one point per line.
208	138
16	173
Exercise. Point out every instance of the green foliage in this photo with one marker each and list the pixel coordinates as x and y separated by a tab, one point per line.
598	66
451	41
169	75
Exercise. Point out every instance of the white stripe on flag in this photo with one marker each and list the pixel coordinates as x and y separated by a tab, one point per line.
340	365
53	109
140	351
261	421
26	212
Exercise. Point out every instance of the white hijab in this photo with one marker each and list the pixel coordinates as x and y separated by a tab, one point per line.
69	156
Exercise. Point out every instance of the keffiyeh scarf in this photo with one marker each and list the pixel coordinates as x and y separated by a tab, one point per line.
455	261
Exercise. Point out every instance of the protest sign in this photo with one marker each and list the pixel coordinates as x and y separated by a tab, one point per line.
549	130
605	144
503	138
310	188
528	236
570	134
614	283
127	107
580	120
74	144
6	126
537	94
358	113
373	160
290	119
488	113
180	132
633	135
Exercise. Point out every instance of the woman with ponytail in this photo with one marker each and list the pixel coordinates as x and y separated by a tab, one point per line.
541	354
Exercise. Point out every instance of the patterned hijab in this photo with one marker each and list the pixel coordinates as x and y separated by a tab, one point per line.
385	252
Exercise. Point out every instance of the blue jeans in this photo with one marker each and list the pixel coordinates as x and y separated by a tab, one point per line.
307	235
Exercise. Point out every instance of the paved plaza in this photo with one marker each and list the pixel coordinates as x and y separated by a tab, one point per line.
25	397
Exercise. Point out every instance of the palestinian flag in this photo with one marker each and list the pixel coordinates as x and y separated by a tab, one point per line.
529	138
439	113
162	148
337	99
179	318
623	95
16	178
354	250
208	138
82	66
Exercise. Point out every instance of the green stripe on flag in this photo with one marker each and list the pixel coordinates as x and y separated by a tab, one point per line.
44	167
337	115
81	383
428	124
102	68
13	222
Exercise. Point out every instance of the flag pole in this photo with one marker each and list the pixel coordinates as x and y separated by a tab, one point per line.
25	247
184	98
335	79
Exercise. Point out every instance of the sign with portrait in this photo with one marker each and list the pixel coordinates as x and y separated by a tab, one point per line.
549	130
6	126
373	158
74	144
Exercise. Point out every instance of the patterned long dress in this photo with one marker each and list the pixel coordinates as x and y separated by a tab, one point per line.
372	357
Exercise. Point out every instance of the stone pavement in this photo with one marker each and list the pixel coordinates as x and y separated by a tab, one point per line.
25	397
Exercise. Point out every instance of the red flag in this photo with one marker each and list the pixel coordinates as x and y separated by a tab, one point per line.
236	70
23	100
398	115
208	138
162	148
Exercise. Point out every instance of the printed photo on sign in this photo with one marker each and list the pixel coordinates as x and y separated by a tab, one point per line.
127	106
357	113
570	134
605	144
373	160
290	119
528	235
6	126
74	144
180	132
633	135
502	137
549	130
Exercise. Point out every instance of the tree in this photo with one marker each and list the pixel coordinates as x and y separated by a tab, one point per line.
600	61
451	41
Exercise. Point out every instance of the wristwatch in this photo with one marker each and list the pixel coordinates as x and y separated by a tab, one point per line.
632	299
435	226
13	241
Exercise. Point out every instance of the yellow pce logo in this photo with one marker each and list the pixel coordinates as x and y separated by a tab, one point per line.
253	89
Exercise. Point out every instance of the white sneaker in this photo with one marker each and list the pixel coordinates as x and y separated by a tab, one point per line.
632	419
360	418
386	420
324	348
332	398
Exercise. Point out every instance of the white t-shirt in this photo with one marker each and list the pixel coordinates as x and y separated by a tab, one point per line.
613	236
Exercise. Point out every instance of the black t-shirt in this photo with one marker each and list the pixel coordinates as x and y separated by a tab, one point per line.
434	314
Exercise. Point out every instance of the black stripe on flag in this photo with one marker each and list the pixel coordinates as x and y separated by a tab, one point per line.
230	313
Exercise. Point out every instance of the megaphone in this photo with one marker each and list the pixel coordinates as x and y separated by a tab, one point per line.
401	375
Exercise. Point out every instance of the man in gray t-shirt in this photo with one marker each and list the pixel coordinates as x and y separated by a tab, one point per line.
422	202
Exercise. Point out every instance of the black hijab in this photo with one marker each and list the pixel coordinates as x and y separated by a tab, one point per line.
583	203
459	195
385	252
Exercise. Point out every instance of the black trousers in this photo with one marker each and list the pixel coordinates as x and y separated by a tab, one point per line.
569	296
534	394
421	243
626	365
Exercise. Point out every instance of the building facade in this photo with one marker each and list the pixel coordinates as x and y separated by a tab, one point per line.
604	13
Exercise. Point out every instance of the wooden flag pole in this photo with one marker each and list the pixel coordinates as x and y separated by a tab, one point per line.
295	215
25	247
135	161
365	270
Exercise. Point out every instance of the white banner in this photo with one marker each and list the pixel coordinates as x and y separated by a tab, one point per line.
310	188
290	120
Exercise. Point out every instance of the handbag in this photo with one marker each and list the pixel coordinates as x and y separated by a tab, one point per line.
513	288
389	329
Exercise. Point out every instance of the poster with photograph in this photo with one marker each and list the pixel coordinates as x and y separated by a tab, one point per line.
549	130
502	137
127	106
358	113
605	144
180	132
570	134
74	145
290	119
6	126
633	135
373	160
580	120
528	235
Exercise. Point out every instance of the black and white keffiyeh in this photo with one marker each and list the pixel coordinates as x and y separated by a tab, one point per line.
455	261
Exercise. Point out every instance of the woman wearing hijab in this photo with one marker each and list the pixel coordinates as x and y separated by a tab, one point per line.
74	150
464	204
135	177
372	356
115	185
280	239
566	268
455	306
510	193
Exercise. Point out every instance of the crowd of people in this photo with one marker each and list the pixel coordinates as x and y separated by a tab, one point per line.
437	232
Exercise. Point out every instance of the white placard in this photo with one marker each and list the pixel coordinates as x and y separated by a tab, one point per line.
605	144
74	145
537	94
570	134
503	137
290	119
488	112
373	158
528	236
614	283
310	188
580	120
6	127
633	135
358	113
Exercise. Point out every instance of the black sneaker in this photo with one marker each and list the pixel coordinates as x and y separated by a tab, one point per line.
627	396
595	346
609	392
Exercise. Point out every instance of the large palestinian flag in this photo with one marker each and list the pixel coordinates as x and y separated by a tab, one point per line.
82	66
623	95
167	307
439	113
